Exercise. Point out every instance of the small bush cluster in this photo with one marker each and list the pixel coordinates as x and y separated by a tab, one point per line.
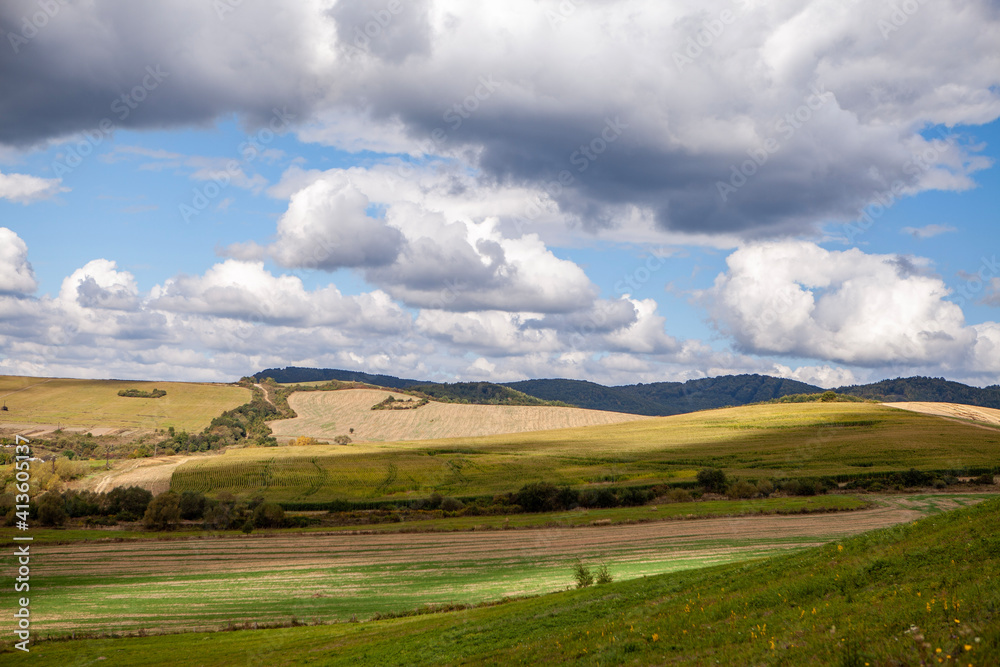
585	577
138	393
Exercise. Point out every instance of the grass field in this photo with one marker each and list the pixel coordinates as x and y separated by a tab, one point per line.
95	404
185	584
327	414
924	593
754	441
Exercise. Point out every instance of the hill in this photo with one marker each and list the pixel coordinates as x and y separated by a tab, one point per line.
773	441
40	405
327	414
667	398
923	593
926	389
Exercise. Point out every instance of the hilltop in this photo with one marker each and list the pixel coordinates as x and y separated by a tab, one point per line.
655	399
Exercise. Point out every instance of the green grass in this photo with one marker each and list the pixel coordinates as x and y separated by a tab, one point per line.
196	584
95	403
764	441
912	594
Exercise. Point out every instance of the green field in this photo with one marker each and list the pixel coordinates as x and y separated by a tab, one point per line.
764	441
206	583
188	406
922	593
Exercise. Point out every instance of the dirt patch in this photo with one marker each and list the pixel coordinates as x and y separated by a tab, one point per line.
150	474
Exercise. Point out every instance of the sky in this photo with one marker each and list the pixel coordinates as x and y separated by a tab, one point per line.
619	191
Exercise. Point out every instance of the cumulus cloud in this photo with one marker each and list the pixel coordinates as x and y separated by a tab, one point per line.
796	298
24	189
828	110
16	274
327	226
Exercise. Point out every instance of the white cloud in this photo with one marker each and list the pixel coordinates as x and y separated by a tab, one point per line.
25	189
927	231
796	298
825	376
16	274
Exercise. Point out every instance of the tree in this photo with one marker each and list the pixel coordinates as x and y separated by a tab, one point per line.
191	505
268	515
51	510
163	512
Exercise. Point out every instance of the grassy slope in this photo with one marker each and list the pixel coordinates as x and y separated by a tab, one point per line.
752	441
926	592
94	403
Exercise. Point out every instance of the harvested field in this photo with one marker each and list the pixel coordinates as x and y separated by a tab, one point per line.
970	412
327	414
150	474
41	405
206	583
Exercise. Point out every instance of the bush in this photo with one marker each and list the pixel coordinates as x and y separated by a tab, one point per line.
342	440
451	504
163	512
984	479
765	488
741	489
712	480
604	575
268	515
679	496
536	496
129	501
582	574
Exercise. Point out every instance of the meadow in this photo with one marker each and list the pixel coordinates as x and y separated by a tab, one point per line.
326	414
763	441
921	593
96	405
186	583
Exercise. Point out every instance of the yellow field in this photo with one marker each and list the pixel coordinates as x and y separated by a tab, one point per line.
326	414
970	412
95	404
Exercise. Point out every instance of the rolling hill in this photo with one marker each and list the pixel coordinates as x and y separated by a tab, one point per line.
668	398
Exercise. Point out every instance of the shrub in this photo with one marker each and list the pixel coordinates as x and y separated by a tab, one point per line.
604	575
712	479
984	479
679	496
342	440
584	577
741	489
268	515
129	501
451	504
434	501
765	488
536	496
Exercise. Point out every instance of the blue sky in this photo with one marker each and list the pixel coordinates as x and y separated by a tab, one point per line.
468	203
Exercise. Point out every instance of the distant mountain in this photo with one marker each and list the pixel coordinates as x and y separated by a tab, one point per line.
936	390
657	398
296	374
666	398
